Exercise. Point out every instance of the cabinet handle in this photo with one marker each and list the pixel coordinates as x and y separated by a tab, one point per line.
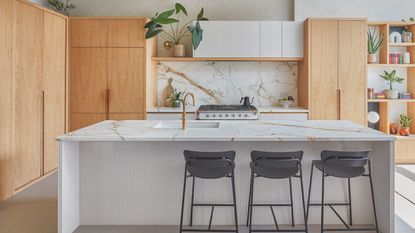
339	96
107	103
42	165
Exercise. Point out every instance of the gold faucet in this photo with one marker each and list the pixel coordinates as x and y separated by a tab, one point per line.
184	108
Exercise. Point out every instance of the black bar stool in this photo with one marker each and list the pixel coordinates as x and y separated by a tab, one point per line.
276	165
346	165
208	165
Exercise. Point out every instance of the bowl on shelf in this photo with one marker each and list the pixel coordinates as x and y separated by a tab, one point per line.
286	103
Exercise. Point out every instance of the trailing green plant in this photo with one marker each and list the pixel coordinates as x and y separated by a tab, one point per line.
391	78
374	41
175	96
61	5
405	120
177	32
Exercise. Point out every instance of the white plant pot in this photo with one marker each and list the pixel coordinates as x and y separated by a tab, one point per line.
371	58
391	94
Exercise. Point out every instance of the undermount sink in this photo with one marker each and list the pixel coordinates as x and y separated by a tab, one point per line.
189	125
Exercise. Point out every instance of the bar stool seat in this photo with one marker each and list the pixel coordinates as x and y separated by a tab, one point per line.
339	170
208	165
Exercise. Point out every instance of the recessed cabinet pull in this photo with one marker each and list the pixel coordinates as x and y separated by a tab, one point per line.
107	103
42	165
339	96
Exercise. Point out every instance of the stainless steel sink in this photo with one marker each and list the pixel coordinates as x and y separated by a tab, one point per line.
189	125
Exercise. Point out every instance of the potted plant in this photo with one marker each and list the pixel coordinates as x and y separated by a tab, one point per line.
61	6
175	98
374	43
390	78
177	32
405	122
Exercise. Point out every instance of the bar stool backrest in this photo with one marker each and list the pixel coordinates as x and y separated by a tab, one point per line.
209	165
276	165
345	163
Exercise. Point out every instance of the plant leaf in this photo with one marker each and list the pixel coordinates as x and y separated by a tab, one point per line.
200	15
197	34
203	19
166	20
152	33
180	8
165	15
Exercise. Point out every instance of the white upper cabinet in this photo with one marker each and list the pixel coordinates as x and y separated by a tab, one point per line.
229	39
271	39
292	39
251	39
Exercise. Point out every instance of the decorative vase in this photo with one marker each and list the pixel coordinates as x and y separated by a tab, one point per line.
404	131
176	103
393	128
406	58
371	58
168	93
391	94
179	50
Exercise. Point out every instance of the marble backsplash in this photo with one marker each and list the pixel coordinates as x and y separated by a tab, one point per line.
227	82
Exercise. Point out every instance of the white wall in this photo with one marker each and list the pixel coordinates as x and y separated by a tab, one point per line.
371	9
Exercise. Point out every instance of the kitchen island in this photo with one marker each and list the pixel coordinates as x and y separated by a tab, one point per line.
131	172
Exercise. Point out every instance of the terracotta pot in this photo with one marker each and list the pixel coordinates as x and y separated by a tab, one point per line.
404	131
371	58
393	128
391	94
179	50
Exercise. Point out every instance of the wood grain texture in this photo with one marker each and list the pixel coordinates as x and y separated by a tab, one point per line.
82	120
89	33
88	80
304	71
126	33
352	60
384	51
323	69
126	80
6	99
54	85
27	159
404	151
411	89
384	119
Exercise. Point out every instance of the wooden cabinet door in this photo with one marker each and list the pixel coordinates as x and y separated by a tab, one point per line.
28	94
89	33
125	33
323	70
126	80
54	78
82	120
352	70
88	80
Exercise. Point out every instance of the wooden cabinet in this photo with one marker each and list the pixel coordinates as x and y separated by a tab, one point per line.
89	33
29	98
54	87
88	81
107	82
336	65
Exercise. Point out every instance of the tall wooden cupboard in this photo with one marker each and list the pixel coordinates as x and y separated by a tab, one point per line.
33	93
108	64
335	69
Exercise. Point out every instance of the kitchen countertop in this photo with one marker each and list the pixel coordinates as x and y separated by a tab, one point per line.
191	109
134	130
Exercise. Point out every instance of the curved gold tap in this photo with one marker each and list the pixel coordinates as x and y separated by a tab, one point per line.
184	108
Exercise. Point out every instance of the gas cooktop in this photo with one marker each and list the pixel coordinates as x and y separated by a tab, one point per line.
227	112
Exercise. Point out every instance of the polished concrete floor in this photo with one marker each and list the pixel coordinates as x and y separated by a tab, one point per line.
35	210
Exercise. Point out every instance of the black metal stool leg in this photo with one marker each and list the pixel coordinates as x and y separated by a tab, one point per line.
303	200
234	202
291	202
249	203
251	194
373	197
350	203
309	190
322	202
191	205
183	199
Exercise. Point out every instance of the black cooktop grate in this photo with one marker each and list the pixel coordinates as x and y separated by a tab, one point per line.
227	108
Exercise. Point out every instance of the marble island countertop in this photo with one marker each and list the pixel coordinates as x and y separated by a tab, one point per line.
226	131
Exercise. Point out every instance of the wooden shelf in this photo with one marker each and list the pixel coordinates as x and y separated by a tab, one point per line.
391	24
253	59
391	100
392	65
401	44
405	138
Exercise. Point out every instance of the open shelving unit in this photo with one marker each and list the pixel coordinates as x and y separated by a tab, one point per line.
385	105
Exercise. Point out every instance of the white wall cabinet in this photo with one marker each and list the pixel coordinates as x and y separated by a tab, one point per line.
246	39
229	39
